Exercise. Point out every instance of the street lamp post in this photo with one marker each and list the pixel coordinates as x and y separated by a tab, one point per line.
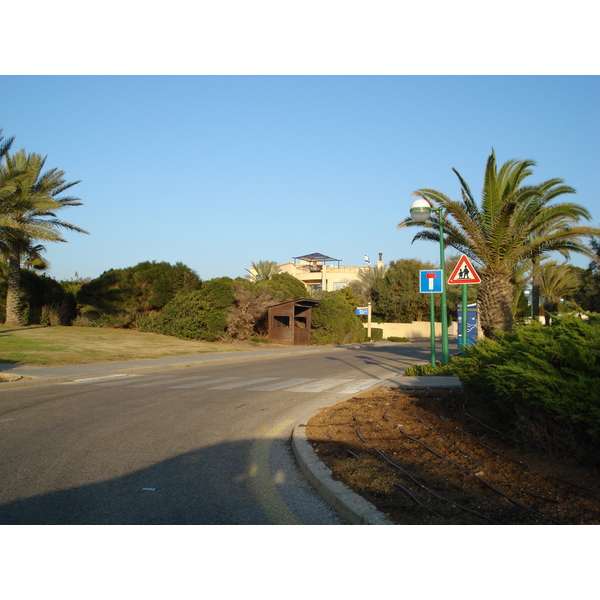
421	210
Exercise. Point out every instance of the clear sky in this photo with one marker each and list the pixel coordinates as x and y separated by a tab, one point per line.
219	171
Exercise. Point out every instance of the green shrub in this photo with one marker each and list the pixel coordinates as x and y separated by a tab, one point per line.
544	381
427	369
118	296
283	286
334	322
376	334
200	315
394	338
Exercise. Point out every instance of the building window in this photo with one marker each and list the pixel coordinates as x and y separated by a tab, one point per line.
339	285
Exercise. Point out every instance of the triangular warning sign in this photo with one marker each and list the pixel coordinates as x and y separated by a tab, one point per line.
464	272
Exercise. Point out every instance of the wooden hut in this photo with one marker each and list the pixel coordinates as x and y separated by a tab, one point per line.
289	322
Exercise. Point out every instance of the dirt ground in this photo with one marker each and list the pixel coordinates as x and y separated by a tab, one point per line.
424	457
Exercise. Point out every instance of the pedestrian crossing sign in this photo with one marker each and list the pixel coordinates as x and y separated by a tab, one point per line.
464	272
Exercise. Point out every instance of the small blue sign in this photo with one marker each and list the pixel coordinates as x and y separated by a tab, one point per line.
362	311
430	282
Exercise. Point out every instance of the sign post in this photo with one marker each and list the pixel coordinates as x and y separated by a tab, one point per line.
465	274
430	282
365	310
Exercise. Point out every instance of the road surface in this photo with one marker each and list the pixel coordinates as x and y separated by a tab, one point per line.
206	443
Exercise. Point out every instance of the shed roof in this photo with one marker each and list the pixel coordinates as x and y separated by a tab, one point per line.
304	302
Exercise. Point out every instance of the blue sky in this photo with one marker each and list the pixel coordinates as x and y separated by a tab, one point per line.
219	171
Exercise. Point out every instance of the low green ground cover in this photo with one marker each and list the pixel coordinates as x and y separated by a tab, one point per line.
543	382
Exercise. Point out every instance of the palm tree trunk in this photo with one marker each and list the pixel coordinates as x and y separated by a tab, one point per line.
13	295
494	303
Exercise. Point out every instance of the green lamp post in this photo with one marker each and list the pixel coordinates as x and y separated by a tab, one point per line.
421	210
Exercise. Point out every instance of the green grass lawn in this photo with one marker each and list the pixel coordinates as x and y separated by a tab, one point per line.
56	346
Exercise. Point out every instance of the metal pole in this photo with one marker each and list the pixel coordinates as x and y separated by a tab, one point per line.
445	349
465	312
432	327
369	320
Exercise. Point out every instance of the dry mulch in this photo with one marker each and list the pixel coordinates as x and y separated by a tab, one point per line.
423	457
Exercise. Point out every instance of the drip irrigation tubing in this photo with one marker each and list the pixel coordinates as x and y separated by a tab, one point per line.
480	479
473	512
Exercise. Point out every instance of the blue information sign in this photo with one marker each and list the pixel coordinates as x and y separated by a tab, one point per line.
430	282
362	311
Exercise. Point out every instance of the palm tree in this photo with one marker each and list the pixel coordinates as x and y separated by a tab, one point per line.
5	145
28	215
263	270
8	186
514	223
366	280
556	281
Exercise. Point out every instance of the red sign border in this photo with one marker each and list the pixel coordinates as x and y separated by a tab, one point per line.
464	260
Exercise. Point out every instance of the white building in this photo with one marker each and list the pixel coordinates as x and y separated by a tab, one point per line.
320	272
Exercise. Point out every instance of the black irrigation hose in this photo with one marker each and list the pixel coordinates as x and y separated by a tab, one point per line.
451	443
435	493
481	422
333	413
355	455
433	451
483	481
357	430
417	501
574	485
518	462
384	417
360	436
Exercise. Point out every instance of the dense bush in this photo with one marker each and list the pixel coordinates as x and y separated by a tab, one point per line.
199	315
544	381
334	321
43	300
119	296
283	286
396	297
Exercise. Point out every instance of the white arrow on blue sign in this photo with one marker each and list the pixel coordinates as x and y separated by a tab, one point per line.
430	282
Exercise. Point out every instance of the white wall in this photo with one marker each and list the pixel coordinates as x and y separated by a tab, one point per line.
416	329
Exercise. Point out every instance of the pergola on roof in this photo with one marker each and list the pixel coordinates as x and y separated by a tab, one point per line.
317	256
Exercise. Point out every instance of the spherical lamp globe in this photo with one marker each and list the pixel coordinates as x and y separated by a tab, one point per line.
420	210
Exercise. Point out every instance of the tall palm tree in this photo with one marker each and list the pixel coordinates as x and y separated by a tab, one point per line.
28	215
514	222
7	186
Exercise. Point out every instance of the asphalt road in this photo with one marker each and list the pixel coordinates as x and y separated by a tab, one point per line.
198	442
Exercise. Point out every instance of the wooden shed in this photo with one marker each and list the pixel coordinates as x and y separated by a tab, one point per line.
289	322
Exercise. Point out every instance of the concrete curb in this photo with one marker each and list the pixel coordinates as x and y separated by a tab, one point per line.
350	505
347	503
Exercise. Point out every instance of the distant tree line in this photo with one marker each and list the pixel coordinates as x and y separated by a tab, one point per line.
509	236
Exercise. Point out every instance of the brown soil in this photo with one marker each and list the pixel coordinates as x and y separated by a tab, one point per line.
421	457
